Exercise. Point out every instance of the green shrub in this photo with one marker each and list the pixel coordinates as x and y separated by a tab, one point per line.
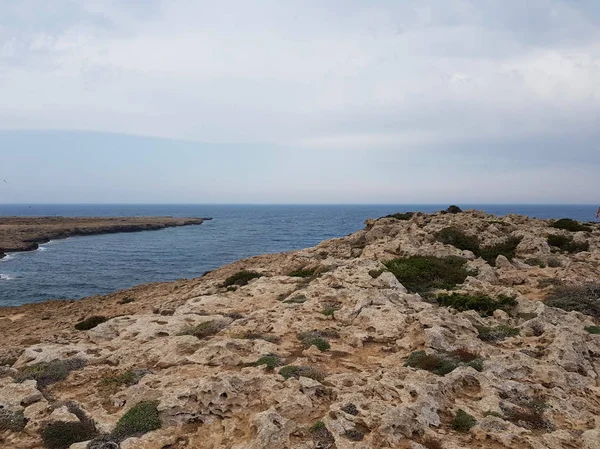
241	278
593	329
376	273
443	363
271	361
567	244
423	273
329	310
128	378
570	225
584	299
303	273
47	373
302	371
463	422
205	329
61	435
507	248
496	333
90	323
13	421
528	414
453	209
483	304
309	339
142	418
259	336
458	239
401	216
298	299
535	262
321	435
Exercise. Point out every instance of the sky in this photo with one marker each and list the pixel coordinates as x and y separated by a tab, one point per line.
338	101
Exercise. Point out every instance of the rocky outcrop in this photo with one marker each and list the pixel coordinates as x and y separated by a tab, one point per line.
26	233
347	332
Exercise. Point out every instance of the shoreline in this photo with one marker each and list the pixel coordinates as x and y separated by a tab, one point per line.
23	234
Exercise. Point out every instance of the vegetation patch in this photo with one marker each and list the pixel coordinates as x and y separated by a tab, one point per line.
444	363
48	373
554	262
350	409
205	329
90	323
430	443
271	361
567	244
141	419
527	316
309	339
458	239
127	300
303	273
61	435
376	273
497	333
330	309
483	304
302	371
13	421
463	422
356	434
535	262
584	299
593	330
453	209
403	216
528	414
322	437
258	336
241	278
298	299
424	273
507	248
570	225
128	378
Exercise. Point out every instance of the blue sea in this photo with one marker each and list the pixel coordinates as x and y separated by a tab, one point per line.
84	266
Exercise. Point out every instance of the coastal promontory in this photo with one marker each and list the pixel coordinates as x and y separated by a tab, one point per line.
421	331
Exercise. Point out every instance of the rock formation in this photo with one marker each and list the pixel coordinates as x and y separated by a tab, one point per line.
327	348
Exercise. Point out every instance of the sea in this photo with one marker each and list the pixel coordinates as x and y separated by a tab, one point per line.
78	267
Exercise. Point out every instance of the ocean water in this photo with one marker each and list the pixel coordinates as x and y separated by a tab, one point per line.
83	266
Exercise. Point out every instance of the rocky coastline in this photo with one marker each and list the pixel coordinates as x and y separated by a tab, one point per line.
27	233
421	331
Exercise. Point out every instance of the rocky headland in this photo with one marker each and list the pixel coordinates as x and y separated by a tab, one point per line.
27	233
448	330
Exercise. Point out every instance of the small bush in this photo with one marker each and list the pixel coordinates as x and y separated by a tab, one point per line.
298	299
90	323
529	414
271	361
535	262
570	225
309	339
61	435
142	418
258	336
126	300
463	422
458	239
47	373
453	209
567	244
13	421
507	248
321	435
356	434
303	273
329	310
496	333
423	273
440	364
483	304
350	409
401	216
302	371
593	329
554	262
204	330
241	278
547	282
128	378
584	299
376	273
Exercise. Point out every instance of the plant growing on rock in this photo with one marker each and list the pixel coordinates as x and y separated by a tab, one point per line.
296	372
496	333
271	361
47	373
593	329
423	273
142	418
90	323
205	329
309	339
535	262
350	409
567	244
321	435
583	298
401	216
453	209
241	278
127	378
507	248
444	363
570	225
303	273
463	422
457	238
61	435
376	273
483	304
13	421
528	414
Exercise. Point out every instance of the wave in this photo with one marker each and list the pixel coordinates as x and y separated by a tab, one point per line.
5	277
8	257
42	248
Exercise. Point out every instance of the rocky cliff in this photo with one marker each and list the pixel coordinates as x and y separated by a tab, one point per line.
421	331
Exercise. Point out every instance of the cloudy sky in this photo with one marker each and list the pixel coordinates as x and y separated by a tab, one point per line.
337	101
